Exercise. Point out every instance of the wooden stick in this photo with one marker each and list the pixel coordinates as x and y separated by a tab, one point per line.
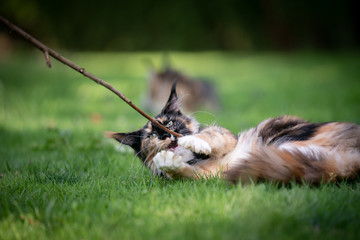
48	51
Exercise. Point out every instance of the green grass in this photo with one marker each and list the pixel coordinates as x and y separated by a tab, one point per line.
59	179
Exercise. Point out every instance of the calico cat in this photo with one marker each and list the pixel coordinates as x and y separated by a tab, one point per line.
194	93
283	149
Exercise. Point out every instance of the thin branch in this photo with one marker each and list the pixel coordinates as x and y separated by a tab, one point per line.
48	51
47	58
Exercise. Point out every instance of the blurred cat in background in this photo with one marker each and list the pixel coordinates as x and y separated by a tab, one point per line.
193	93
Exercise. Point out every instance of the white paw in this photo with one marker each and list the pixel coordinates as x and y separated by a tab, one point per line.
168	161
195	144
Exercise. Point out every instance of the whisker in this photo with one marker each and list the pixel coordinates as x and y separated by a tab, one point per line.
205	112
141	151
147	158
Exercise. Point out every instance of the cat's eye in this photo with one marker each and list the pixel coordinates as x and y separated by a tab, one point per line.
169	124
153	135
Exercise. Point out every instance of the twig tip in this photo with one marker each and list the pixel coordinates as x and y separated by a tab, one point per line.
47	57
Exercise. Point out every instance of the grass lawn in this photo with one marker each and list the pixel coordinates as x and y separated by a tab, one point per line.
60	179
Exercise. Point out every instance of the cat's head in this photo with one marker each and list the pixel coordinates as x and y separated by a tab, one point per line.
150	139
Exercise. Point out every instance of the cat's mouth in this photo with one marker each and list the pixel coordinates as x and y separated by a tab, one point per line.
173	145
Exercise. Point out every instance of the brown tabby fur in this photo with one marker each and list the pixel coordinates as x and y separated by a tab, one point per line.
193	93
284	149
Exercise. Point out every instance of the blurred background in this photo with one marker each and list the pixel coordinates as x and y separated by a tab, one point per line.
264	58
188	25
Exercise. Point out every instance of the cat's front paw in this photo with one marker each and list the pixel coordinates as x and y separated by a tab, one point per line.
195	144
168	161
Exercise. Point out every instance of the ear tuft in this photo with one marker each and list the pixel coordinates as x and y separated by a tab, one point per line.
108	134
171	106
132	139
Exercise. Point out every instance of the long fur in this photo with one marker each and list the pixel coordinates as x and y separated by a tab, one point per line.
331	152
282	149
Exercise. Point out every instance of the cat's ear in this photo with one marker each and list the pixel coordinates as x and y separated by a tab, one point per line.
172	106
132	139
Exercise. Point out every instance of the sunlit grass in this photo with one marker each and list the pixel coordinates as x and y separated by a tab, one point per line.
59	178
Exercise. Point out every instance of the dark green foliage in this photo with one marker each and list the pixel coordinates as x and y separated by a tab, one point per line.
189	25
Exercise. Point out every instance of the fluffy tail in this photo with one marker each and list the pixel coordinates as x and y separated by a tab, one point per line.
271	163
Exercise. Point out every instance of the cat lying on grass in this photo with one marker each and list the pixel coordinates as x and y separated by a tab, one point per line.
283	149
